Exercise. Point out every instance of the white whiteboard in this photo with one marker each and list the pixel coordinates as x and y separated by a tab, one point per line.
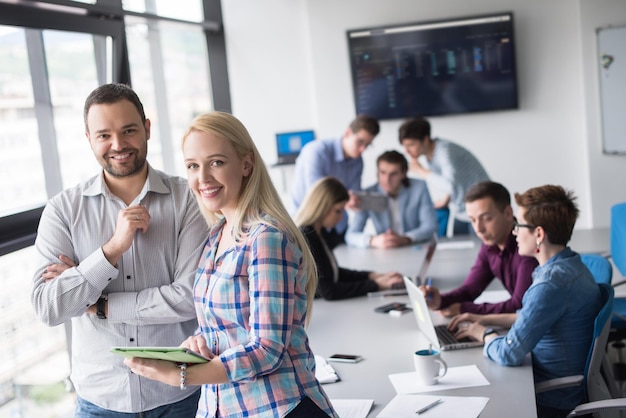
612	72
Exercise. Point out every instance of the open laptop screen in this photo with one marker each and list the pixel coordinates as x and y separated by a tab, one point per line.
289	144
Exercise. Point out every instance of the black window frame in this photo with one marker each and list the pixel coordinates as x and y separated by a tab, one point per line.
106	17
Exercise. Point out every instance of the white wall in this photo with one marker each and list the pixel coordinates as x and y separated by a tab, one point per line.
289	69
607	172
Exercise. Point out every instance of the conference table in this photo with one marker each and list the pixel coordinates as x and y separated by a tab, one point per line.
387	343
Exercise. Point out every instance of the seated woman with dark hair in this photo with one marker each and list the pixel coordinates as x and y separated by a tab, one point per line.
556	320
323	207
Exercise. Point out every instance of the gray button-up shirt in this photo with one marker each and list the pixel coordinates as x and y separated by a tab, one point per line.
150	297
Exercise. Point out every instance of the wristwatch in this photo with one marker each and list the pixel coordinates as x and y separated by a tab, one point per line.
489	331
100	307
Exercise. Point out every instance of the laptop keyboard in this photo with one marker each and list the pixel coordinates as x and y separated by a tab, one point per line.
399	285
447	337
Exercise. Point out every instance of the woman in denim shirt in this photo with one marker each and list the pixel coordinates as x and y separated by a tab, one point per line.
555	322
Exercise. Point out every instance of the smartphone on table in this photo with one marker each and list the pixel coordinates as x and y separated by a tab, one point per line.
345	358
390	307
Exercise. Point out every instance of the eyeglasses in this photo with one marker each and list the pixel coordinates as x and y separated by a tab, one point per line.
362	143
517	226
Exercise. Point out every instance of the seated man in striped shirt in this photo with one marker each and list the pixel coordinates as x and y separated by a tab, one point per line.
116	257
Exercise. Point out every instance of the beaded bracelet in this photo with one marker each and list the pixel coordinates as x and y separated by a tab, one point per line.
183	376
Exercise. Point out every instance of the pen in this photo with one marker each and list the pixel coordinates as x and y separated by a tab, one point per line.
428	407
429	283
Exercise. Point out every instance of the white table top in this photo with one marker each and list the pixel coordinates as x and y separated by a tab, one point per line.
387	343
448	268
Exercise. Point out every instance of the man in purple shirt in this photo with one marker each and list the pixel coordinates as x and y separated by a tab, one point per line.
488	205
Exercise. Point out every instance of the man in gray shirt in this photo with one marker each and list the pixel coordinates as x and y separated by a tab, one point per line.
455	164
116	256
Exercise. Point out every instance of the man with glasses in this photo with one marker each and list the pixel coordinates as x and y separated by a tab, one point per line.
340	158
488	206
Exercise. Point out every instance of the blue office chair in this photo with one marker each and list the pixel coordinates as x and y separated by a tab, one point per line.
618	236
597	377
599	266
618	255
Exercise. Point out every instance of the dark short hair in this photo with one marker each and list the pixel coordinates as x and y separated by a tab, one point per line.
552	208
416	128
112	93
366	122
394	157
489	189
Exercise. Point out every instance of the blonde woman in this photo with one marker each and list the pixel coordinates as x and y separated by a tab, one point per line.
254	287
323	207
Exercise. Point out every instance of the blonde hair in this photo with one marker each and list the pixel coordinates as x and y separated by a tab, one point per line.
319	200
258	195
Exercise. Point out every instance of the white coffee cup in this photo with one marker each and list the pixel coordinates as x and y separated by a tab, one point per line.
429	366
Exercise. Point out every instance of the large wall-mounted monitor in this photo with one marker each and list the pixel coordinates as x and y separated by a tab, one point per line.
434	68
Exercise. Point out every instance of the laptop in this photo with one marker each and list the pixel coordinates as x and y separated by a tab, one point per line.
400	289
430	252
289	144
439	336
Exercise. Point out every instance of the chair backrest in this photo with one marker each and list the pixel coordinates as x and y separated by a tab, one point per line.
597	380
618	236
599	267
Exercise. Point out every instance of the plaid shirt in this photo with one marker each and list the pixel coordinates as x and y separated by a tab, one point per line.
251	306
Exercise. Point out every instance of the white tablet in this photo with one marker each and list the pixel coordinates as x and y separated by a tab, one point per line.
376	202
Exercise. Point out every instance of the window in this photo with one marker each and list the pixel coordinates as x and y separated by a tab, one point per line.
50	59
33	382
19	135
169	64
190	10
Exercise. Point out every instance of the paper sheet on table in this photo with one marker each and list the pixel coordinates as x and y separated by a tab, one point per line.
457	377
352	408
404	406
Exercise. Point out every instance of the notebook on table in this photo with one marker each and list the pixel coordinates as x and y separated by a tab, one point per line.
400	288
439	336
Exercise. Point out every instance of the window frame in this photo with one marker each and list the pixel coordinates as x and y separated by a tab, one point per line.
106	17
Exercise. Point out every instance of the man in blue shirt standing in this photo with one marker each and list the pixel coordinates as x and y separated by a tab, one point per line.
339	158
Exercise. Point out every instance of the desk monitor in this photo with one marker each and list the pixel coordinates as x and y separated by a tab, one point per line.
289	144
